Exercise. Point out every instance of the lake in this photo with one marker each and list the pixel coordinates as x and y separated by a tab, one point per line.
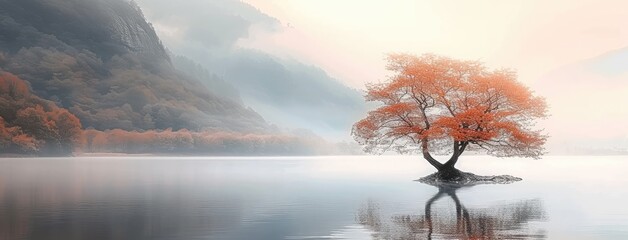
356	197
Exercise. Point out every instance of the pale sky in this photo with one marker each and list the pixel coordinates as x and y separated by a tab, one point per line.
349	38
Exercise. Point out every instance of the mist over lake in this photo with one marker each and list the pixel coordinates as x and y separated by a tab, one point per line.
305	198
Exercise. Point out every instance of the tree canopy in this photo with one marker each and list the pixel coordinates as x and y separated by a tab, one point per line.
29	124
433	104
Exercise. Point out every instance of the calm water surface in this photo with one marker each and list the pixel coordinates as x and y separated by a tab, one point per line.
309	198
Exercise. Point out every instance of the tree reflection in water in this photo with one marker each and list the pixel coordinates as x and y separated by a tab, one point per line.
509	221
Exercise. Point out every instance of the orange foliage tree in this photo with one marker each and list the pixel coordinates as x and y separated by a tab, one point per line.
29	124
437	105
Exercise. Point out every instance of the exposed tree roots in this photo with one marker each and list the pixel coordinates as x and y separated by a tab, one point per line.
456	178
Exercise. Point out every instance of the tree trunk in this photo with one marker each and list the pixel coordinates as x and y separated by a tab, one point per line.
447	171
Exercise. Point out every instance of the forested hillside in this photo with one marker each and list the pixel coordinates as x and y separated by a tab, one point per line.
101	60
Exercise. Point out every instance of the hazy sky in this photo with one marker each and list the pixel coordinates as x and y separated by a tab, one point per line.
350	37
556	46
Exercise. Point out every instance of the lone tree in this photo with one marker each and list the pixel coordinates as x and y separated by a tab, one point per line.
437	105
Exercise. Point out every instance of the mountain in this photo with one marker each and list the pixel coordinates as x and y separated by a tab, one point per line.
104	62
288	92
215	84
586	101
105	28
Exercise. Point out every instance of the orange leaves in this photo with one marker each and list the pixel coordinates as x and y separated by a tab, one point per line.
378	92
26	143
68	125
438	99
35	124
13	137
365	128
6	134
395	109
514	134
471	125
13	86
499	91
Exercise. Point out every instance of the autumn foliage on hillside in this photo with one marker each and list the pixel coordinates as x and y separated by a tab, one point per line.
435	104
29	124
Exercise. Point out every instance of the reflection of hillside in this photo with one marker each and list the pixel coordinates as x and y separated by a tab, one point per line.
106	200
501	222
